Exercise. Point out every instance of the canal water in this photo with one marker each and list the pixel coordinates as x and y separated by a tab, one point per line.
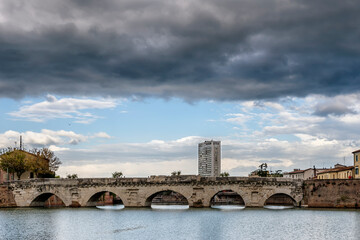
93	223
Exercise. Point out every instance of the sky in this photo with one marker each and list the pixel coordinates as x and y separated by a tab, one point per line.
135	85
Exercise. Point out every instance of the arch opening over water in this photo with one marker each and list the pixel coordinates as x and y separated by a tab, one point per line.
280	199
166	198
104	198
47	200
227	198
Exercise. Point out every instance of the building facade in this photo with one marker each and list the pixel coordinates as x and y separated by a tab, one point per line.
5	176
209	158
356	163
306	174
342	172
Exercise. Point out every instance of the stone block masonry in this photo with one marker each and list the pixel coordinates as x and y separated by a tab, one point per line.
198	191
332	193
139	192
6	197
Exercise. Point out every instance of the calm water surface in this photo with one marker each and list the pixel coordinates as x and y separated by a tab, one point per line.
92	223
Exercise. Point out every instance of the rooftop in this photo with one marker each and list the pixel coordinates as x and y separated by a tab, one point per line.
299	171
337	169
25	152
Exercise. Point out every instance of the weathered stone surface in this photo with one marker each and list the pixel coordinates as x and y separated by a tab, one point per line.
332	193
6	197
138	192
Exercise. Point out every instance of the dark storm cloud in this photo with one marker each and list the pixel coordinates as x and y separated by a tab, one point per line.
223	50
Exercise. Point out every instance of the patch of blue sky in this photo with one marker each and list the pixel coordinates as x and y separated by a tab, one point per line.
286	137
8	122
165	120
131	121
143	121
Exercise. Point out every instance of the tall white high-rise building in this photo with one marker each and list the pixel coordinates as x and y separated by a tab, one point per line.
209	156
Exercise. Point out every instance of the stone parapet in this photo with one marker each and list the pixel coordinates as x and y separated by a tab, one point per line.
168	180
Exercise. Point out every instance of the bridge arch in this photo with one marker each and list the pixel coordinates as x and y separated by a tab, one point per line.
40	200
213	192
280	199
183	197
92	198
227	197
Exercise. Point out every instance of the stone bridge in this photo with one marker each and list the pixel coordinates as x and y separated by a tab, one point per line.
138	192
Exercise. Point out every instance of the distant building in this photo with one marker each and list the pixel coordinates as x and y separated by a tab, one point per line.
209	158
305	174
309	173
339	172
356	163
5	176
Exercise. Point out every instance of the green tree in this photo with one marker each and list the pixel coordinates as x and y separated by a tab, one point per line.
72	176
262	172
176	173
54	162
224	174
117	175
14	162
277	173
37	163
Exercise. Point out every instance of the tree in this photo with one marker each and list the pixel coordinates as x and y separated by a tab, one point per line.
224	174
42	162
117	174
176	173
72	176
37	164
277	173
14	162
263	166
54	162
262	172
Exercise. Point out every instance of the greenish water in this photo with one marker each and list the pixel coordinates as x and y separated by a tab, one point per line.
92	223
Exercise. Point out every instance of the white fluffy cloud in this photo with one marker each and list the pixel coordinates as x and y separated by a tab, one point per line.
239	157
286	134
320	116
72	108
45	137
299	132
